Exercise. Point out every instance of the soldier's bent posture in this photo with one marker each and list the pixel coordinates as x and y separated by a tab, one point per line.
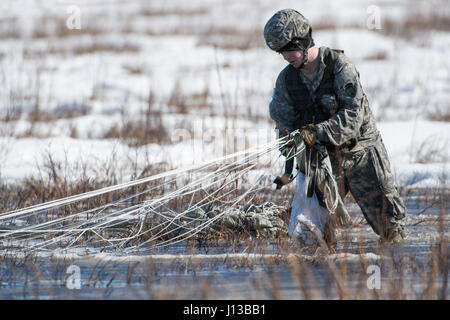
320	93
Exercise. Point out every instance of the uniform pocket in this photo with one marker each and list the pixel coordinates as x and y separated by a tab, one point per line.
374	190
382	166
382	169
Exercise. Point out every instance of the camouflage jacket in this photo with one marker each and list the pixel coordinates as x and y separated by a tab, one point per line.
351	121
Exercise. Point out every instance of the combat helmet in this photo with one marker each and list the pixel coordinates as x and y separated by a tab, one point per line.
287	30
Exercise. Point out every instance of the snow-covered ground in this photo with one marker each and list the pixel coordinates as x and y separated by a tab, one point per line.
209	55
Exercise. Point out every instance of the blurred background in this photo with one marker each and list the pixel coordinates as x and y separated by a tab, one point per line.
110	88
98	92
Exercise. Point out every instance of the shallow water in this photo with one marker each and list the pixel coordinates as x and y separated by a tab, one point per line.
220	271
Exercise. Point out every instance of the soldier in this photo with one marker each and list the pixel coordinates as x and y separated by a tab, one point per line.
319	92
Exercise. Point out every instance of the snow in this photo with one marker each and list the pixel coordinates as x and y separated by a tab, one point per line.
405	84
75	254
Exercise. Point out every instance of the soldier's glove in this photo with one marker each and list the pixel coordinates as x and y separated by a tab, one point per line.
286	148
290	137
283	180
308	135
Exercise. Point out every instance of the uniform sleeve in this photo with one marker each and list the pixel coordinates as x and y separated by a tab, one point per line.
346	122
281	107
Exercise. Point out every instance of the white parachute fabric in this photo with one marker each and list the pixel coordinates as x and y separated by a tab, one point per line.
308	219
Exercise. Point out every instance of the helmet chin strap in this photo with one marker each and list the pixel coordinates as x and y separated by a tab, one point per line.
305	59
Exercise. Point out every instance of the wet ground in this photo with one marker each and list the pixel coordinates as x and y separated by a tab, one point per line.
361	268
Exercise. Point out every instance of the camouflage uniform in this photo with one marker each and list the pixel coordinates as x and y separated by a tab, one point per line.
334	101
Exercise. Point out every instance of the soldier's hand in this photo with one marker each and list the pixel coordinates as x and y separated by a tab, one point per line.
286	148
308	135
282	181
291	142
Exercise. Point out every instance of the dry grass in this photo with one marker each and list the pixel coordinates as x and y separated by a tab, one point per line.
62	111
55	180
11	114
231	38
404	274
60	179
138	133
380	55
442	115
416	22
430	151
131	69
184	103
95	46
419	18
9	28
146	128
324	23
56	27
148	11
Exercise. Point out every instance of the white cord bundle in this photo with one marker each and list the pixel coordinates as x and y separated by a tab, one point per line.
43	227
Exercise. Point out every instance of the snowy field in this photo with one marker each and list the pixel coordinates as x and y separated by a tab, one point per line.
107	91
200	70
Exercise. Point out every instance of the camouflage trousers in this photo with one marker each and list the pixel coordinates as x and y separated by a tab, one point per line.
366	174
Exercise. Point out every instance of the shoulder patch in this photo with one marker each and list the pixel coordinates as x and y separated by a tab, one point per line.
350	89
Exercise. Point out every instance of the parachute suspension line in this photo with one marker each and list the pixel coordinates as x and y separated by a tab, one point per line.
87	195
331	190
70	229
207	223
196	230
172	221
